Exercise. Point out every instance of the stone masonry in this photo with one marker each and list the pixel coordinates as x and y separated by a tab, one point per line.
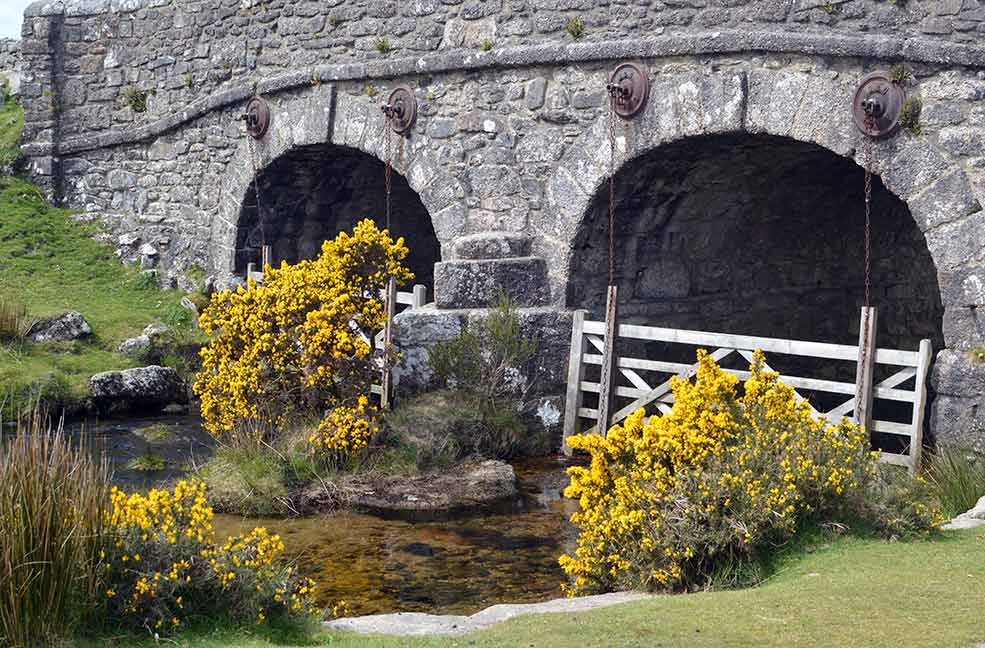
11	64
744	156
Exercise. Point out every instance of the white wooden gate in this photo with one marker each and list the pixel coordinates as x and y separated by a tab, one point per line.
627	384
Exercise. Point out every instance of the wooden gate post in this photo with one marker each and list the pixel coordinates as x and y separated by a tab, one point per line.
608	359
390	303
266	257
576	372
919	404
865	366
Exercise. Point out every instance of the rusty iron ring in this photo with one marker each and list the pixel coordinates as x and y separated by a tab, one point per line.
257	117
877	105
401	109
629	90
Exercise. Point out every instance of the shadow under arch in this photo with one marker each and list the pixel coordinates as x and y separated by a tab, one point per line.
758	235
311	193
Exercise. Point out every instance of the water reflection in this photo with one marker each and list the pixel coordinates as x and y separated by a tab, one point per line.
443	567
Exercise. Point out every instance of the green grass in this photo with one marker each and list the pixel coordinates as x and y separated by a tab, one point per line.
11	125
246	482
850	591
51	263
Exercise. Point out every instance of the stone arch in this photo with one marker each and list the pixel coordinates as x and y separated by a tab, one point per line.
811	109
808	108
322	116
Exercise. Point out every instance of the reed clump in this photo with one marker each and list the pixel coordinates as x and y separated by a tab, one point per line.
52	497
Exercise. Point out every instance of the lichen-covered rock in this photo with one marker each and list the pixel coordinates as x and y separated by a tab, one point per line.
144	388
60	328
134	346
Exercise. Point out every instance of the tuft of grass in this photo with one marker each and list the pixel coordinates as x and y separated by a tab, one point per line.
147	462
246	482
52	498
486	45
155	433
909	116
957	478
15	322
136	99
383	45
899	75
575	27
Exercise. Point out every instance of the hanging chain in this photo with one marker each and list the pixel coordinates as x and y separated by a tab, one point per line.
612	192
867	162
256	190
388	174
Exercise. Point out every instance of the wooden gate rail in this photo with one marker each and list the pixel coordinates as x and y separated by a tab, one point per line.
589	348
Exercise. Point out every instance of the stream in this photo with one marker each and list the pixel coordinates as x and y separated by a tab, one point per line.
378	565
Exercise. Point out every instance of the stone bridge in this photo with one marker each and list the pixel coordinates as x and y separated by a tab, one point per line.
739	189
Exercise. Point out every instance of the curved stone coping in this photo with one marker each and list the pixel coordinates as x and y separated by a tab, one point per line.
707	43
417	624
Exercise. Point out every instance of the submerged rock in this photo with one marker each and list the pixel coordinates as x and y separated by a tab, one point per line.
143	388
60	328
468	486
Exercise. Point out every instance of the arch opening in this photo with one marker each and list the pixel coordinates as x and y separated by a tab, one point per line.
311	193
756	235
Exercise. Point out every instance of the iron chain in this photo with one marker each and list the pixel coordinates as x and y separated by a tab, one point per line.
867	162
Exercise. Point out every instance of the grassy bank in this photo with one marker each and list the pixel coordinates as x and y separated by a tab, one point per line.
847	592
50	263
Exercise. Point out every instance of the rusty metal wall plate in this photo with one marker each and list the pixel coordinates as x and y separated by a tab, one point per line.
629	89
877	105
401	109
257	117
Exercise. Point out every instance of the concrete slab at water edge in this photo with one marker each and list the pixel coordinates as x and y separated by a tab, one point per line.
417	624
971	519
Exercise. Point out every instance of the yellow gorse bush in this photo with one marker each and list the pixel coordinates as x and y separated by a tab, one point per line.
669	499
163	564
299	341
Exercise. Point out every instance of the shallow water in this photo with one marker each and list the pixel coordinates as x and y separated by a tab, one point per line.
444	567
178	441
377	565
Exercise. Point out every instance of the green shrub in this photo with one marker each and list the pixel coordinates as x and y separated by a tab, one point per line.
957	478
484	364
674	501
165	565
52	498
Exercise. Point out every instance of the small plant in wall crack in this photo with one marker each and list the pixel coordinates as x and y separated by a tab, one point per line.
575	27
899	75
909	116
371	91
486	45
383	45
830	8
136	99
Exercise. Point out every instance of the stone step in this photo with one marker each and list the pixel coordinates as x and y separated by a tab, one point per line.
479	283
492	245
